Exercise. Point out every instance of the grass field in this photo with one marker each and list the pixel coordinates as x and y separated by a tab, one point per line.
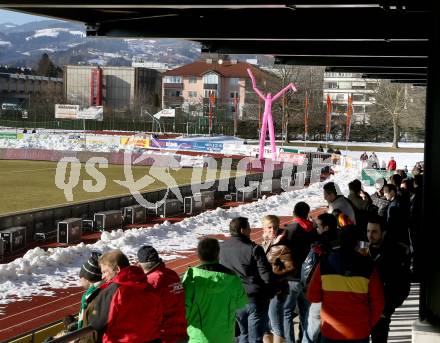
28	185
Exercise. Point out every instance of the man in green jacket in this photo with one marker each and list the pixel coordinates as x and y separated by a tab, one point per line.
212	295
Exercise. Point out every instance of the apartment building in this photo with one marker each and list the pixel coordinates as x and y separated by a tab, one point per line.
193	87
340	86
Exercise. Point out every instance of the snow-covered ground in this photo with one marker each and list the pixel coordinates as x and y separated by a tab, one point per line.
59	267
102	143
402	158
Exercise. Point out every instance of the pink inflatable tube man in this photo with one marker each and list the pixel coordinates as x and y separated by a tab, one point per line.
267	116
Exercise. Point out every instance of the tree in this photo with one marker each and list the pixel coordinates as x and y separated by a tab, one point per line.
309	83
47	68
397	101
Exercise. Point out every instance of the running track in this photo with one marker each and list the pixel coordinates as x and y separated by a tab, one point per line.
23	316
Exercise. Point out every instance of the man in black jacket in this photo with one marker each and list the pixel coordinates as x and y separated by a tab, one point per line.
392	259
397	215
249	262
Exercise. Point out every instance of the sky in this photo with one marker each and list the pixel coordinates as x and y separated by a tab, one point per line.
18	18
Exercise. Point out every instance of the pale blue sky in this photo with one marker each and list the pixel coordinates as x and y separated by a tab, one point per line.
18	18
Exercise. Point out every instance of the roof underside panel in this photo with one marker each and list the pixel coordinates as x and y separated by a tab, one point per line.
351	34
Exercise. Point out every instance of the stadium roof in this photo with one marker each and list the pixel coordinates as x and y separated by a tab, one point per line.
346	33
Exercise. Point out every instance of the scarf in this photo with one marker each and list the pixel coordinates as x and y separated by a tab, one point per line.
306	224
84	302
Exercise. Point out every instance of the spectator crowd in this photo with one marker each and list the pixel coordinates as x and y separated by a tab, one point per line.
343	274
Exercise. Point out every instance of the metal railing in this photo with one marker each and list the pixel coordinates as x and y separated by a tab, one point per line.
84	332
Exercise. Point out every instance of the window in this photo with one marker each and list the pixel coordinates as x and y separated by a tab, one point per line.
173	79
210	78
172	92
209	92
233	81
359	109
233	95
340	97
331	85
192	80
358	97
192	94
358	85
371	85
344	85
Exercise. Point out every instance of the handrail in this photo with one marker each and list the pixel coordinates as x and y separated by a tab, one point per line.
87	331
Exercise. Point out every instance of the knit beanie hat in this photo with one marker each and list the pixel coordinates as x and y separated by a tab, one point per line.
91	270
148	255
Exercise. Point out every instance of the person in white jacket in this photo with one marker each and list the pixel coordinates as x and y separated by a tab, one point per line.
338	202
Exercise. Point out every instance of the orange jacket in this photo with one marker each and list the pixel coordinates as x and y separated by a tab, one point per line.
352	302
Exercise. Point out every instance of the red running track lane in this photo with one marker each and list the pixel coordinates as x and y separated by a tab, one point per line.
23	316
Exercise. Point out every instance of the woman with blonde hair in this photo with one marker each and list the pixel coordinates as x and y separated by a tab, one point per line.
279	254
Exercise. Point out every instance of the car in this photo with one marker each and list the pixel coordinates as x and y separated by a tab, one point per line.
13	109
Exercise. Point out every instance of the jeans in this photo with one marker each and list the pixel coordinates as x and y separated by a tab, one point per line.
312	325
281	313
379	334
328	340
303	307
253	320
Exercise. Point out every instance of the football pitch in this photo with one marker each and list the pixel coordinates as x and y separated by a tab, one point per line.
26	185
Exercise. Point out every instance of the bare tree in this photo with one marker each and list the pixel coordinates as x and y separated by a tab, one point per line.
309	83
397	101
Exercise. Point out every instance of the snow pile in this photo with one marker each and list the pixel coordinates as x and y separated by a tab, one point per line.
39	270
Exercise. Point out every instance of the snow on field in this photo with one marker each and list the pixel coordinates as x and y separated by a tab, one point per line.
59	267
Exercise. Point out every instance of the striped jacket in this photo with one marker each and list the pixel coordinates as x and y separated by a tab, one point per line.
351	294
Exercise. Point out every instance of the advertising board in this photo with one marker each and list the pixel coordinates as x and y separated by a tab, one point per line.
64	111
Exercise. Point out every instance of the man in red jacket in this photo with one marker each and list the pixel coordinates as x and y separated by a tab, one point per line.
392	165
127	309
351	292
167	283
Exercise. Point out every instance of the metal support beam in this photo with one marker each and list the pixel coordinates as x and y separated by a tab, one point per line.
325	48
408	4
377	70
430	234
427	329
359	62
421	77
408	81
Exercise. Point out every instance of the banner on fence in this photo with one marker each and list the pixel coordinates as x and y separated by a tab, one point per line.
64	111
10	135
237	149
166	112
91	113
134	142
284	149
297	159
103	140
173	144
